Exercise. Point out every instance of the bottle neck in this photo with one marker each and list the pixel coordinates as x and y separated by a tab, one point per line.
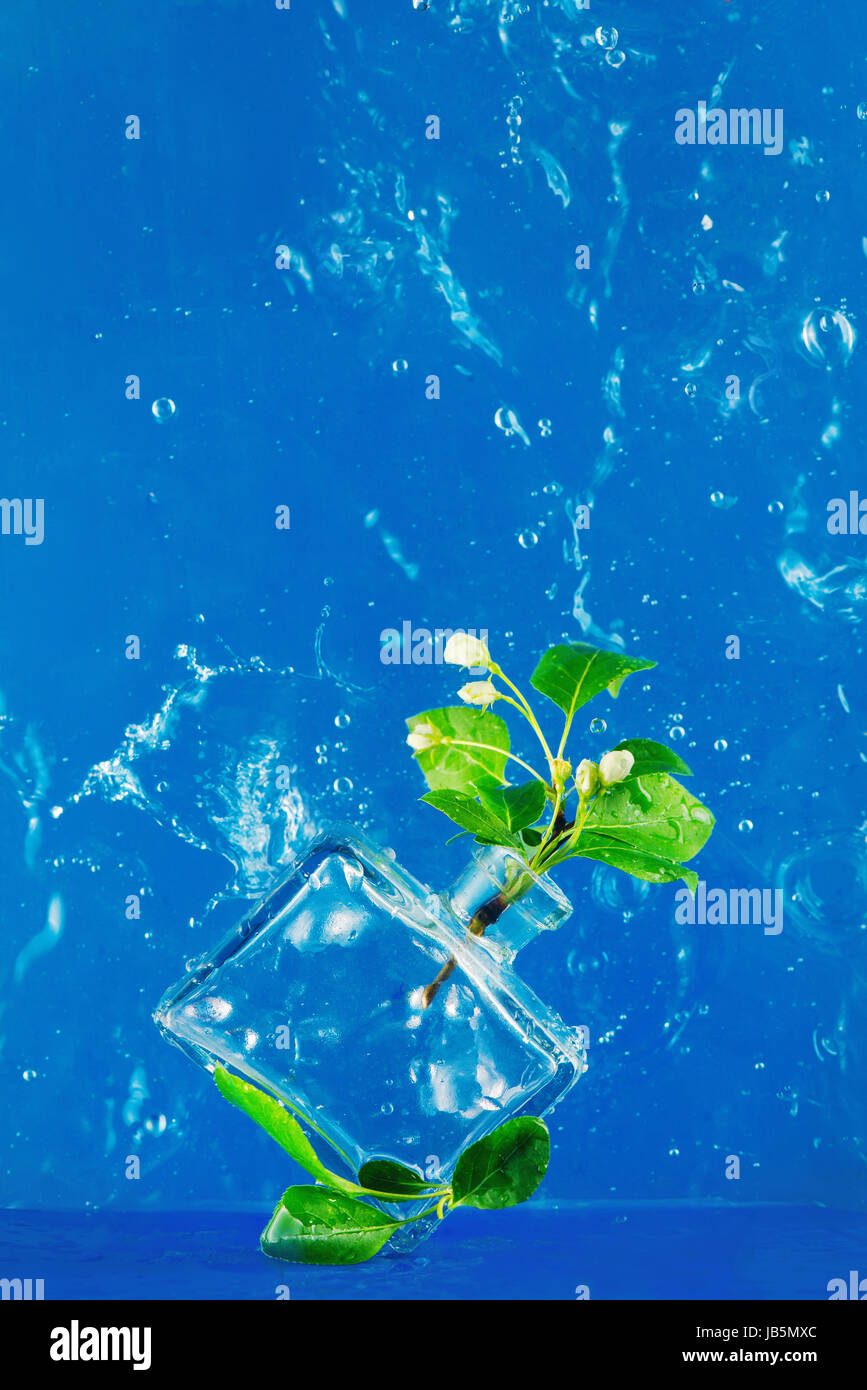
505	904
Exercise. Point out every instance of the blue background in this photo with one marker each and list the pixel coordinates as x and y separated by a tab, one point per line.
157	257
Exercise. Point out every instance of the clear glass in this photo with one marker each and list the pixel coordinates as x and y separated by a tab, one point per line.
319	995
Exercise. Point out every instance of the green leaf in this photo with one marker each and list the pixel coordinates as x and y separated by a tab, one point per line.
652	757
270	1115
532	837
465	811
573	673
314	1226
456	767
386	1175
504	1168
517	807
654	868
653	813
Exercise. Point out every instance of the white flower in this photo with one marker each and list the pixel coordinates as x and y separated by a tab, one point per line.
587	778
423	736
479	693
613	767
463	650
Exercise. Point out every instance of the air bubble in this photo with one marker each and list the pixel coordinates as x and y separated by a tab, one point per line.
615	59
862	111
553	489
341	720
720	745
823	196
28	1075
690	389
676	731
607	36
342	785
745	826
827	337
527	539
598	726
399	365
163	409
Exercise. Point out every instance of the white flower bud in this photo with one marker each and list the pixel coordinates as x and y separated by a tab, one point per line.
560	772
613	767
463	650
423	736
479	693
587	778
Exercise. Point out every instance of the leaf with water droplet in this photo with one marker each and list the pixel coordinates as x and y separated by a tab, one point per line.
571	674
314	1226
505	1167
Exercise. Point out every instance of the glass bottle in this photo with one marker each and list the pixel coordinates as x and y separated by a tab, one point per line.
389	1016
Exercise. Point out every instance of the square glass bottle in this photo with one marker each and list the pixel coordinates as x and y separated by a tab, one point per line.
389	1016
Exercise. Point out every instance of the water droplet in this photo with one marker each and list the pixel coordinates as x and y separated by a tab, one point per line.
528	539
690	389
342	785
827	337
607	36
720	745
745	825
615	59
399	365
598	726
163	409
676	731
341	720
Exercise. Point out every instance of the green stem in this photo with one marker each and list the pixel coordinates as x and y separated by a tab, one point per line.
546	837
525	709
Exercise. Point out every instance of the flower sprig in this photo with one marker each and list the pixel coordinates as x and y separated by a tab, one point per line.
627	810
